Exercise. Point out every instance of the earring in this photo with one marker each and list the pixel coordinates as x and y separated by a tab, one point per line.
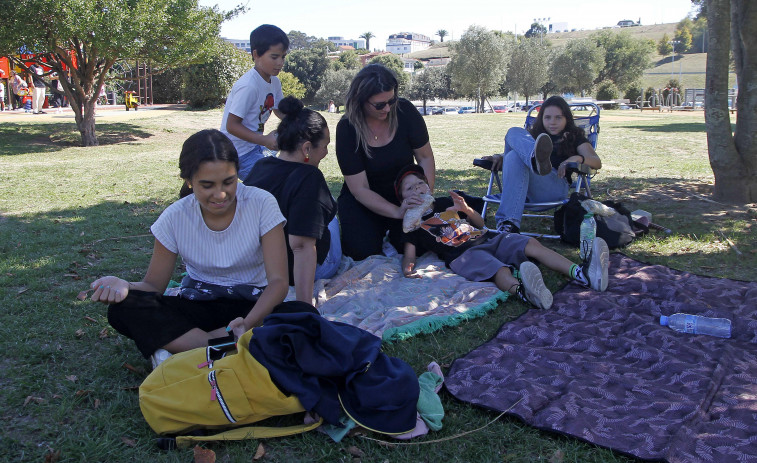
307	157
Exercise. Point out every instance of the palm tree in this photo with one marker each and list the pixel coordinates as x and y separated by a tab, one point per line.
367	36
442	33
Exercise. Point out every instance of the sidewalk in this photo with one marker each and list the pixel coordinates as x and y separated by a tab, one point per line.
67	113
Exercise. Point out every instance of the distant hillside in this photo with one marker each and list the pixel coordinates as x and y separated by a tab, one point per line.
690	67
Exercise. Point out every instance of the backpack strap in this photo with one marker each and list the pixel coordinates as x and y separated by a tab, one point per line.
248	432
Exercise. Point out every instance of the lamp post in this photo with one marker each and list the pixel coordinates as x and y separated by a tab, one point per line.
541	28
673	58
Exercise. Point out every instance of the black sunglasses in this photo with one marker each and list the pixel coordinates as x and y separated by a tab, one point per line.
380	106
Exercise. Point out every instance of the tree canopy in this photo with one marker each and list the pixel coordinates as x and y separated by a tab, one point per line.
625	58
429	84
529	67
479	63
577	66
81	39
308	66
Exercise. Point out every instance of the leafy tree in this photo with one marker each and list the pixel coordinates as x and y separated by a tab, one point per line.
683	36
334	86
300	40
291	86
428	85
82	39
394	63
442	33
536	30
479	63
664	47
529	67
418	65
577	66
207	85
625	58
733	153
367	36
308	66
348	59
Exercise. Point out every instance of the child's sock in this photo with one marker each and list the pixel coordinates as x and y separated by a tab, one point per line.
577	273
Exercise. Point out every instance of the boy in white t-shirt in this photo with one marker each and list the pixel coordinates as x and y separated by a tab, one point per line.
254	96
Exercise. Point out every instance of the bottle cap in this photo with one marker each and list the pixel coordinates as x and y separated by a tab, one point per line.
663	320
588	215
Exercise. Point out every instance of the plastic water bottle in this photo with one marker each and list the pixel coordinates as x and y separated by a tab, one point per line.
695	324
587	233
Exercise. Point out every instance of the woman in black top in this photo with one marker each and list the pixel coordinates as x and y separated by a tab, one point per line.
378	136
293	178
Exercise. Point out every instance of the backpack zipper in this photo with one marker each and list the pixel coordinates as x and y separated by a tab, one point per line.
215	395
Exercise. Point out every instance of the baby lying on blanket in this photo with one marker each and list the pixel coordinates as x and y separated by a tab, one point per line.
456	233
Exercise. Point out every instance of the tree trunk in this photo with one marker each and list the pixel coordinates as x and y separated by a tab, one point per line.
732	162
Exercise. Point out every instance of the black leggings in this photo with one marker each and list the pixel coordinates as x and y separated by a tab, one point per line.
153	320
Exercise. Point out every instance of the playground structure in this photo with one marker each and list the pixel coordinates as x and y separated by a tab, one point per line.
134	82
670	99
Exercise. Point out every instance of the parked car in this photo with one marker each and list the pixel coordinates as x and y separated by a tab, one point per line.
426	113
467	110
436	110
501	109
450	110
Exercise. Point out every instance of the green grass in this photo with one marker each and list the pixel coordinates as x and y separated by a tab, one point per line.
70	214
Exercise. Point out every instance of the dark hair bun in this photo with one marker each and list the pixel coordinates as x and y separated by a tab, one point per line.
290	106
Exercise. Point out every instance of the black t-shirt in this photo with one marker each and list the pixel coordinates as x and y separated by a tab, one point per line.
304	199
558	156
384	162
445	233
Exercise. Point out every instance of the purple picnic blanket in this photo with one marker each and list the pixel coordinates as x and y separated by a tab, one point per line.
599	367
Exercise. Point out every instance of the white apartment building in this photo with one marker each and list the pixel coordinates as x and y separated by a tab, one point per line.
407	42
242	44
341	41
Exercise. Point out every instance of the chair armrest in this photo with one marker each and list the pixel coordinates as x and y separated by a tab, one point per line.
579	168
483	163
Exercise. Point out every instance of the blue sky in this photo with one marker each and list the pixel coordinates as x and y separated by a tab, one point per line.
351	18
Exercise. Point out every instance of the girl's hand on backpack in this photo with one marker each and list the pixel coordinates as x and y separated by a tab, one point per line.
237	327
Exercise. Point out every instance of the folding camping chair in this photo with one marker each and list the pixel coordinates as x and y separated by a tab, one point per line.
586	116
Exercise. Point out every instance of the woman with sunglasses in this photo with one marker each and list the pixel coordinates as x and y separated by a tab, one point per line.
379	135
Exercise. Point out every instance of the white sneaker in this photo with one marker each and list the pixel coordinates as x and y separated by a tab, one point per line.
596	268
532	288
160	356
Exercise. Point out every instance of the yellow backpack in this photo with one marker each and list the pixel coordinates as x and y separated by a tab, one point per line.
189	391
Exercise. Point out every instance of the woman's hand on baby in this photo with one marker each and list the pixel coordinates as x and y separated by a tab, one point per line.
110	290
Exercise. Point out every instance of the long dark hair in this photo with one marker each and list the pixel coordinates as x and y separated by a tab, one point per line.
299	125
205	145
372	79
571	131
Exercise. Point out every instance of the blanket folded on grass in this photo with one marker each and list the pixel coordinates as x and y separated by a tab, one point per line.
375	296
599	367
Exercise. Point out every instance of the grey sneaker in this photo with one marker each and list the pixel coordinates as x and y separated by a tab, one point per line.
542	152
596	266
160	356
532	288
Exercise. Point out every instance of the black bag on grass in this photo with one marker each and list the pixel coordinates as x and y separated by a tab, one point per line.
617	230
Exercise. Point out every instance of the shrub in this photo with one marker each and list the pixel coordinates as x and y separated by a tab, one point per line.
607	90
166	86
206	85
